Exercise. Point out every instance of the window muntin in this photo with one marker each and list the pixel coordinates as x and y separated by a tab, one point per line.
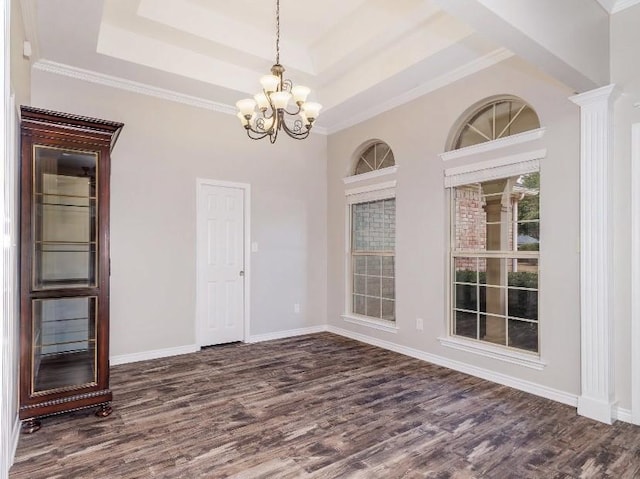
497	119
376	157
373	259
494	262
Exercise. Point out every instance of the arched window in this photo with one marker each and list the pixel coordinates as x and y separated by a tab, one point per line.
371	219
495	232
376	156
495	119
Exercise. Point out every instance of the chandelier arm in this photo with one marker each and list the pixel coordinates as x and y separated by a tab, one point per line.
273	108
257	135
268	117
297	112
297	135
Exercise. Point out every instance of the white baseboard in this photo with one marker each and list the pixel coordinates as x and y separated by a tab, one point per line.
597	409
623	415
520	384
258	338
155	354
192	348
15	436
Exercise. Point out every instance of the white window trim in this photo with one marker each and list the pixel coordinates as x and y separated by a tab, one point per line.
380	324
390	170
493	145
379	191
501	353
512	165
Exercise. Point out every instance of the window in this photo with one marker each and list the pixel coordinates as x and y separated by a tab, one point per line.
494	120
373	227
370	293
376	157
494	261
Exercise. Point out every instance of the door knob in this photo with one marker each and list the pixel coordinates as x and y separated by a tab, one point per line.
241	273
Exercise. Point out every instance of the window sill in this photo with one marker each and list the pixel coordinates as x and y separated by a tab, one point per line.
495	352
381	324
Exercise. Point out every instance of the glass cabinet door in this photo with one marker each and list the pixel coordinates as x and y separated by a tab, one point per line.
64	343
64	218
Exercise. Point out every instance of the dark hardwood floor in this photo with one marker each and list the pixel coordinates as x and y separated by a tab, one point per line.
321	406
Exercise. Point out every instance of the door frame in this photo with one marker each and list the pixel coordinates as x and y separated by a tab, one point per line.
246	188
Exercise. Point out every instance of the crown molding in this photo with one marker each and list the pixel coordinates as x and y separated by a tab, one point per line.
615	6
456	74
141	88
30	23
623	5
132	86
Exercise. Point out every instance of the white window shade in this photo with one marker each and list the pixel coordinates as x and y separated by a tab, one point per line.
515	165
375	192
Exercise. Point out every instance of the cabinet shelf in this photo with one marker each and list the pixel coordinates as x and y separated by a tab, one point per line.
65	205
62	343
64	242
61	195
62	320
65	370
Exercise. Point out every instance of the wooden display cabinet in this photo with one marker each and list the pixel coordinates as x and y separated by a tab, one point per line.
64	323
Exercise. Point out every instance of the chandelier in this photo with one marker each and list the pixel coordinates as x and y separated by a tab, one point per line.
270	112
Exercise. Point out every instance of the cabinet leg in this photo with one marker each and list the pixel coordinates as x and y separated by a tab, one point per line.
29	426
104	410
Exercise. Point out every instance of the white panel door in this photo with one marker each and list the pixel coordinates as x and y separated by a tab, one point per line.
221	264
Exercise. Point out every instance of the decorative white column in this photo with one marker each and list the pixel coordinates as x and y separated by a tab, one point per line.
597	398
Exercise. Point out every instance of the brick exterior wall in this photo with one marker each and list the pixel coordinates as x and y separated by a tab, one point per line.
470	220
374	225
470	231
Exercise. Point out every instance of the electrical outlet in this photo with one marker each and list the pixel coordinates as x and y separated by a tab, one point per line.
296	308
419	324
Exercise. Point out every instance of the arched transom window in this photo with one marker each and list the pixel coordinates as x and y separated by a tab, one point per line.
375	157
496	119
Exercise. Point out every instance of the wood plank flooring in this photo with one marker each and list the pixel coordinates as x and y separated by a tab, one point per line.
321	406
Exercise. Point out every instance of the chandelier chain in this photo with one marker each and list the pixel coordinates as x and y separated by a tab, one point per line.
278	31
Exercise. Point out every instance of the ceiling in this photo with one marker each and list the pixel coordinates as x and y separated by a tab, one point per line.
352	53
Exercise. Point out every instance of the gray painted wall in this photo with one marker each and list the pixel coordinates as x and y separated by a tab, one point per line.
417	132
163	148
